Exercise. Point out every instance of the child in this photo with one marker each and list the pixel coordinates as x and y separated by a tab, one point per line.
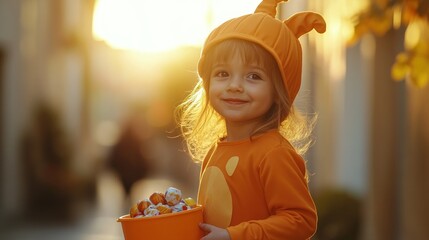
253	182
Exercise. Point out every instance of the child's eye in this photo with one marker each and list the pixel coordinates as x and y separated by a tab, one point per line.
254	76
221	74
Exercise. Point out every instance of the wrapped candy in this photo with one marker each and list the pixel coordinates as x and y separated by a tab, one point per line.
163	209
142	205
134	211
151	211
173	196
181	206
190	202
157	197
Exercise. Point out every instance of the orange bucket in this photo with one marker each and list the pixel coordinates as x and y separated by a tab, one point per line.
178	226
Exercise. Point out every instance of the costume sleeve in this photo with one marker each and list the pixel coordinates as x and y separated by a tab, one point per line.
293	213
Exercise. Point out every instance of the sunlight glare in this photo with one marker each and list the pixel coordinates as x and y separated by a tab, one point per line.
153	26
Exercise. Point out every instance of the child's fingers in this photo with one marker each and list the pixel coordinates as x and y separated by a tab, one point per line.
205	227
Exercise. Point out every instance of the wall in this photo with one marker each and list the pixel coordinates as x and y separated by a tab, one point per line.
45	61
12	107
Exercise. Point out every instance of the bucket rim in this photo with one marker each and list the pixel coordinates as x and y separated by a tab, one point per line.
127	218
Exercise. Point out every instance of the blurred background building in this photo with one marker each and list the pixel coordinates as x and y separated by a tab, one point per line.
88	90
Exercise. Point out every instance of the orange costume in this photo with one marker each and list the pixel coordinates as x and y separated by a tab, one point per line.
257	190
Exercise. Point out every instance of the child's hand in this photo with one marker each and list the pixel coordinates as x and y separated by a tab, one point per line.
214	233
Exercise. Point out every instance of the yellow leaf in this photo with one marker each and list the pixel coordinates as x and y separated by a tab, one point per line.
421	79
399	71
419	64
402	58
380	25
420	70
422	48
416	35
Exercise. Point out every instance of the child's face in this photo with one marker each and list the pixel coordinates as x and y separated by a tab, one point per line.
240	92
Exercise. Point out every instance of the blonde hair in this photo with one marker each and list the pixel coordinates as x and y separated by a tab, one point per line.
202	126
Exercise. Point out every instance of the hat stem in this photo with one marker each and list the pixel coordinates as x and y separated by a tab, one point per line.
269	7
303	22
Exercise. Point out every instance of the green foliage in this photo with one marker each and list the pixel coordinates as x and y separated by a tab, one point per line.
339	215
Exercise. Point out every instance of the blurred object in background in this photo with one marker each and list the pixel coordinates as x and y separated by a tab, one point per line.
52	187
382	16
129	157
339	215
2	79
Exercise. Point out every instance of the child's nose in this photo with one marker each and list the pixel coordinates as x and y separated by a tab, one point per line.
235	84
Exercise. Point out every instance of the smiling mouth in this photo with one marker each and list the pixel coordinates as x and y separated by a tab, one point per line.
234	101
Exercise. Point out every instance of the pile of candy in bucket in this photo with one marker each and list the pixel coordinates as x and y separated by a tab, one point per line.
162	203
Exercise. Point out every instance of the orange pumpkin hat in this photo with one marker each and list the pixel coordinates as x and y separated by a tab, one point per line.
280	38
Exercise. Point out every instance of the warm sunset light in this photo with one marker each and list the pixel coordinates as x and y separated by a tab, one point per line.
152	26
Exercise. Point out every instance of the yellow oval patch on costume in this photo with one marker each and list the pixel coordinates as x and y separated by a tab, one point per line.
231	165
216	198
